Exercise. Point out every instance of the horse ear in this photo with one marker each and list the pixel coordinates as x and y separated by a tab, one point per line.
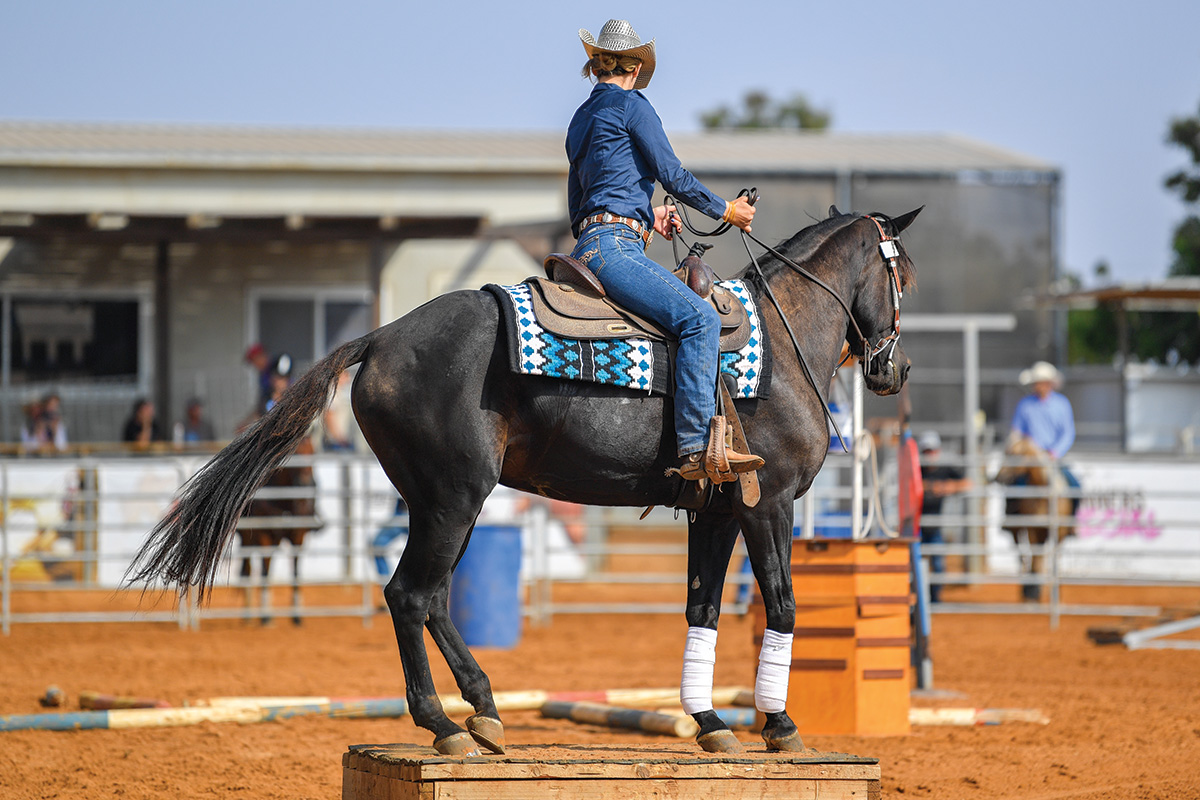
903	221
833	212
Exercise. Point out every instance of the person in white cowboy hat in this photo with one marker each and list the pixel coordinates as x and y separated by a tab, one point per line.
1044	415
617	151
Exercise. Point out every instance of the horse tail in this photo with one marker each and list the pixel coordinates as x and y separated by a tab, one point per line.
186	545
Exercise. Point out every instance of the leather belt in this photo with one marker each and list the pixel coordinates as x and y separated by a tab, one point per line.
607	218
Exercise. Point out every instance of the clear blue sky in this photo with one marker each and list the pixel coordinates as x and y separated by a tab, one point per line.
1089	87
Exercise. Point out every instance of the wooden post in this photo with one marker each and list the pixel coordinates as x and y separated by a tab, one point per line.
162	332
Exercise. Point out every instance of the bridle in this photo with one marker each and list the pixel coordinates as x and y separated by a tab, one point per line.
889	249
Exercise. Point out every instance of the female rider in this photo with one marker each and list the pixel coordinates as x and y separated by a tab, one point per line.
617	150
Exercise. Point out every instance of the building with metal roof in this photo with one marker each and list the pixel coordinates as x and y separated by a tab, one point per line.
189	242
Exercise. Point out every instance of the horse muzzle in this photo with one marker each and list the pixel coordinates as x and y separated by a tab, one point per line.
885	377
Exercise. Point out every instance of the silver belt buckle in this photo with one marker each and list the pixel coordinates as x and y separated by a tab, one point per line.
606	217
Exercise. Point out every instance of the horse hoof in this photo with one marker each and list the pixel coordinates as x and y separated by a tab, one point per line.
488	731
791	743
722	741
457	744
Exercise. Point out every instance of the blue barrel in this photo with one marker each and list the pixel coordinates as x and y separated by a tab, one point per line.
485	602
829	525
835	525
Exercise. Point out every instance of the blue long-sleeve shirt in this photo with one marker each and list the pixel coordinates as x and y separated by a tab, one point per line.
1050	423
618	149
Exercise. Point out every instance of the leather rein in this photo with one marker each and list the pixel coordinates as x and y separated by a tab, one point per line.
889	249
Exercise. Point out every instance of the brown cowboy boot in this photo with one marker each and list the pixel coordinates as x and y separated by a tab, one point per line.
719	462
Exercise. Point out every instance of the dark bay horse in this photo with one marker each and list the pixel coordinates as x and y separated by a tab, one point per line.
448	420
296	500
1040	480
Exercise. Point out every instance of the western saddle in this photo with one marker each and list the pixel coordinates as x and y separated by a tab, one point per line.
570	302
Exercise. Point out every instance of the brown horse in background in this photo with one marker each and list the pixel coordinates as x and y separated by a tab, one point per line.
1030	467
303	507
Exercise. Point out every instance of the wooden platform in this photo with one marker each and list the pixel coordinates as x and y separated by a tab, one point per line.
668	771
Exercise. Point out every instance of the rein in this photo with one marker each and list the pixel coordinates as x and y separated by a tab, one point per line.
890	251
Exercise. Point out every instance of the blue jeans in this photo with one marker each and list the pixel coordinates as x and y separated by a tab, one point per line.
617	257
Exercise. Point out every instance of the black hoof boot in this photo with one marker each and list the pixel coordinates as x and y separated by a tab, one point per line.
715	736
781	735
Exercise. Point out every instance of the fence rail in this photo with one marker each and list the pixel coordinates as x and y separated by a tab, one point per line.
72	525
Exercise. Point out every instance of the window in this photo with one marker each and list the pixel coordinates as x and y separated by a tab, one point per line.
72	340
308	323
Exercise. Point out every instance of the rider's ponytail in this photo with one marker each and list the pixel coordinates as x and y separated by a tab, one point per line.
606	65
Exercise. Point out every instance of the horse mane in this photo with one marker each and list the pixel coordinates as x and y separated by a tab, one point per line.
808	242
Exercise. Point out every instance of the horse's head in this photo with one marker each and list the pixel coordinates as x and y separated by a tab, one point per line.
886	273
1025	461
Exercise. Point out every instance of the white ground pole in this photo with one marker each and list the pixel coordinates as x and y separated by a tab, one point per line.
1152	637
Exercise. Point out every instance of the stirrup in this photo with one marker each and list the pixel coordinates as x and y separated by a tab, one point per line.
718	462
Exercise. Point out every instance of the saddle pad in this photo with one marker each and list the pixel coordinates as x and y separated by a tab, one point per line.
635	363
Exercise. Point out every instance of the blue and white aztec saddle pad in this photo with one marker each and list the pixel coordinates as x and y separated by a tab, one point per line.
636	363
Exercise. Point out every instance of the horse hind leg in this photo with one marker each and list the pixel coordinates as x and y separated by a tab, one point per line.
296	620
247	572
437	536
484	725
247	588
264	594
1032	591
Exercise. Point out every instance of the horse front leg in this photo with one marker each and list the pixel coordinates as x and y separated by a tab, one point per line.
710	544
484	725
768	534
1032	590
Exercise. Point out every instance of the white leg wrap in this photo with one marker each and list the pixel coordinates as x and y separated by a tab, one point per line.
774	664
699	659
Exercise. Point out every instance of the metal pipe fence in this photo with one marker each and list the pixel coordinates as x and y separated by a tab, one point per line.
72	525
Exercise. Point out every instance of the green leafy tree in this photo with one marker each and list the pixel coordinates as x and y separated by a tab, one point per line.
1185	132
1160	335
759	111
1180	331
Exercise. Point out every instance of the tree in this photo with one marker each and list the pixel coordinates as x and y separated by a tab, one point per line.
1162	335
1180	331
1185	132
759	111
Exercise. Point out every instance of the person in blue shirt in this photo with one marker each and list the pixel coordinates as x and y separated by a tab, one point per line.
617	151
1045	416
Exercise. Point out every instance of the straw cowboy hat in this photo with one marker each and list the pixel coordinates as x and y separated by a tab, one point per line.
1039	372
619	38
